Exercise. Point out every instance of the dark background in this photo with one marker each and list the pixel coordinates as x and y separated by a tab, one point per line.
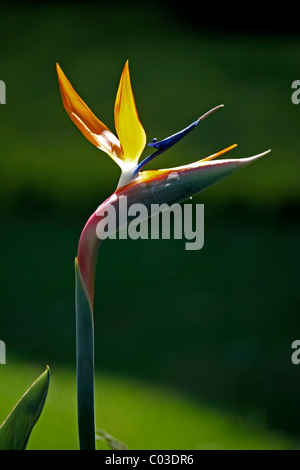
217	324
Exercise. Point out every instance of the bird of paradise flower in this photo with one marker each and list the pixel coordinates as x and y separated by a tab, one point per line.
139	186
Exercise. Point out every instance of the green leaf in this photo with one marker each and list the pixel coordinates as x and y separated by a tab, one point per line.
111	441
16	429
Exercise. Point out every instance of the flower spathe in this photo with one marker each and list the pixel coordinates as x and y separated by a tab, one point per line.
146	187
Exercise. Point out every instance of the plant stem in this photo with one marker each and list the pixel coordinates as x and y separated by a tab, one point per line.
84	366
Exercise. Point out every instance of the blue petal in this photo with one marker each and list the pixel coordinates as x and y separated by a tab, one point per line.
173	139
168	142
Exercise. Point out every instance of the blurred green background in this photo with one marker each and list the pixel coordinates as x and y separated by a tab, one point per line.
193	349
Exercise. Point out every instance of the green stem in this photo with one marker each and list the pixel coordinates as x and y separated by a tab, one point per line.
84	366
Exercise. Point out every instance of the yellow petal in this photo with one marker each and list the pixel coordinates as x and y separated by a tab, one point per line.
128	126
93	129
